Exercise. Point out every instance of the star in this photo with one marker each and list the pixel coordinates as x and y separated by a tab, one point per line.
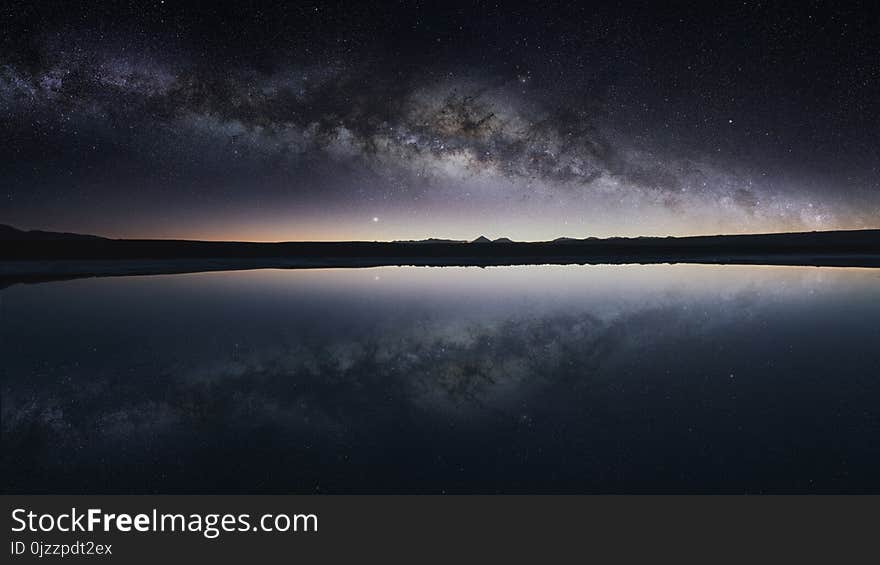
375	219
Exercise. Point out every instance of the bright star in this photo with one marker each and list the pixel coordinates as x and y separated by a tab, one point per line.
375	219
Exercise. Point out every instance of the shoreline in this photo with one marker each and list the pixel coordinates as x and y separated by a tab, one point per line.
25	271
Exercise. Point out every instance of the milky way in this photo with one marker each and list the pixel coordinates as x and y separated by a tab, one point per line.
145	133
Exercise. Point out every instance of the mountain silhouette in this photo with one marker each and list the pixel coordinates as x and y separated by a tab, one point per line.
430	240
9	233
42	255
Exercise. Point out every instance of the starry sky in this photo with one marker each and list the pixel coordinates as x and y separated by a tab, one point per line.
322	121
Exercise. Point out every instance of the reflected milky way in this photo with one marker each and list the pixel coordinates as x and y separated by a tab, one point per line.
583	379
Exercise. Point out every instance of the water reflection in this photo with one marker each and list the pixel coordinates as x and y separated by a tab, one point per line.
511	379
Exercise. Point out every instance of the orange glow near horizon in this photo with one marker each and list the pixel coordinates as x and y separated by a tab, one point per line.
327	233
375	224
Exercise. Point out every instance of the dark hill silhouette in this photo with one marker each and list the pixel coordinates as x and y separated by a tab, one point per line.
41	255
9	233
431	240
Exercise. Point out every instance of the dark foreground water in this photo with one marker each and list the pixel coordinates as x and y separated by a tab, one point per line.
626	379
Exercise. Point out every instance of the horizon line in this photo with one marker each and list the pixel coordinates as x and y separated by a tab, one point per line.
441	239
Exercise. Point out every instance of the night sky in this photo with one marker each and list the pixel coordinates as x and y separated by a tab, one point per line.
308	121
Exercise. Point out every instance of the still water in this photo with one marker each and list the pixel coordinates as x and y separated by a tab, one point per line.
587	379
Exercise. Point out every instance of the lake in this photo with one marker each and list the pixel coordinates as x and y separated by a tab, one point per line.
528	379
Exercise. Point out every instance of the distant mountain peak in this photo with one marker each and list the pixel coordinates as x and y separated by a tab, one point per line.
482	239
503	240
